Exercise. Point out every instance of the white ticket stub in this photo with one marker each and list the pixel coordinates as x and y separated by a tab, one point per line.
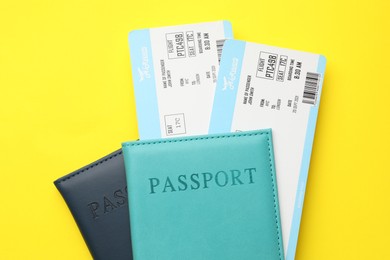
260	86
174	74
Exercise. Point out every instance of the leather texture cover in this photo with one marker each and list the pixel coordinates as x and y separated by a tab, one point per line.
204	197
97	197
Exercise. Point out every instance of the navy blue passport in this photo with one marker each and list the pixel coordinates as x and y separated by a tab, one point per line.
97	197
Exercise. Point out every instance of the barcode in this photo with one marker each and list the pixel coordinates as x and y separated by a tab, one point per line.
219	48
311	88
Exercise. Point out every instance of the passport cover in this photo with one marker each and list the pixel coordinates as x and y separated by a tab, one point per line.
97	197
204	197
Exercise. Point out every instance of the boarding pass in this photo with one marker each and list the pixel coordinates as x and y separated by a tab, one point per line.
175	72
260	86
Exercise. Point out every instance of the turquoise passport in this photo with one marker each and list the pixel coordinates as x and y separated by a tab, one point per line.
204	197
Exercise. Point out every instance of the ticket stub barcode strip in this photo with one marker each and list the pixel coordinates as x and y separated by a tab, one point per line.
220	44
310	91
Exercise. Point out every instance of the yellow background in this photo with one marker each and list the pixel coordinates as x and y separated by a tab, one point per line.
66	99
